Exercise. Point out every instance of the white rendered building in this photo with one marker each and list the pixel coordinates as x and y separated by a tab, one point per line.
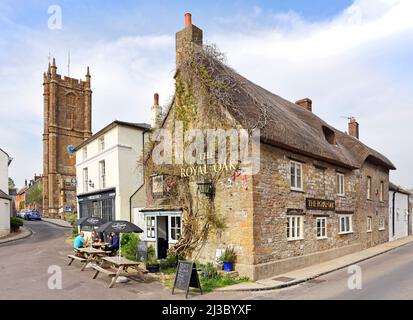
5	199
108	170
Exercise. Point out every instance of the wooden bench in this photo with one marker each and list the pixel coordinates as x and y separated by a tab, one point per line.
73	258
108	272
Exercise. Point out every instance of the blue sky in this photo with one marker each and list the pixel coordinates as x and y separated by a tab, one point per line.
353	58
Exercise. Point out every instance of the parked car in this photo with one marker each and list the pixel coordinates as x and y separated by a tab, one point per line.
22	213
33	215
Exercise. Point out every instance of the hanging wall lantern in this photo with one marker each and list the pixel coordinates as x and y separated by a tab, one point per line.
205	187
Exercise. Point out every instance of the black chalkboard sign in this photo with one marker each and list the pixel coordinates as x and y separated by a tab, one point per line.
186	276
142	251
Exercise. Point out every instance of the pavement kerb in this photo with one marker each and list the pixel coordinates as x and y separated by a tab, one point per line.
30	232
56	224
295	282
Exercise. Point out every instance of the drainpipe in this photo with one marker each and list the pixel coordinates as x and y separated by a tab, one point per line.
393	218
143	182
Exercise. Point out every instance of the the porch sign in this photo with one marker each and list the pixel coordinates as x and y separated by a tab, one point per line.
320	204
186	276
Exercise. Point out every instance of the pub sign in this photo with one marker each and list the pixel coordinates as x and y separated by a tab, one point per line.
320	204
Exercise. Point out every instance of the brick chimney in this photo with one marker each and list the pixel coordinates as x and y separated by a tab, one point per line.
156	112
353	128
306	103
186	38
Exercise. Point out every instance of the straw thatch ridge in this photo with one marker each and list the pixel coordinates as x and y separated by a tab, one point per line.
287	125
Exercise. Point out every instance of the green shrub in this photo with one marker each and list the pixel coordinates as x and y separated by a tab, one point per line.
209	284
15	224
209	271
151	252
152	262
71	217
129	244
171	261
229	255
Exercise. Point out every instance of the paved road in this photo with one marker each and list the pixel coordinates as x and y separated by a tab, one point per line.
24	271
24	275
388	276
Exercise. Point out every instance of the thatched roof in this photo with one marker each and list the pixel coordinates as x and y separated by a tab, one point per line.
287	125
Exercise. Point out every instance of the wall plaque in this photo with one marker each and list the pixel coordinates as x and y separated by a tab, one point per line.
320	204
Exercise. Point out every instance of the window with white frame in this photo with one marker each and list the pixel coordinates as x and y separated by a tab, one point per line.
369	224
340	184
294	227
369	188
296	174
382	223
101	143
175	224
150	227
321	224
345	223
381	191
84	153
102	174
85	180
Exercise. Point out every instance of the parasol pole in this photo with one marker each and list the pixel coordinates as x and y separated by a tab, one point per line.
120	244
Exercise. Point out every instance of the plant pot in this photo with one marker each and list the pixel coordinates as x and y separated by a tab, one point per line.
153	268
228	266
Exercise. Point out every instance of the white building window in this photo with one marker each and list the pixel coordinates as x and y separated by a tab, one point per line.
345	223
150	227
321	224
340	184
294	228
296	174
369	224
175	226
85	180
382	223
381	191
102	174
84	153
369	188
101	143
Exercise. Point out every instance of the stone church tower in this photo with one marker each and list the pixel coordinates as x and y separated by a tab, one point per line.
67	123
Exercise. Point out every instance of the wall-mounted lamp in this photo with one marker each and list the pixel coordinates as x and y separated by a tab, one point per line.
205	187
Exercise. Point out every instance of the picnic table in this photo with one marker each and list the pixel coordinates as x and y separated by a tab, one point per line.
91	254
118	264
100	244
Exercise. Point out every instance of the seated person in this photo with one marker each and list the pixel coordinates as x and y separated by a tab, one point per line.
114	242
80	241
95	237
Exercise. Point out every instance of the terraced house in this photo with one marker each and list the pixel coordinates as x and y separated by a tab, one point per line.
320	193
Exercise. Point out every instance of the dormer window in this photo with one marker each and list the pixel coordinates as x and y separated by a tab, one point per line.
329	135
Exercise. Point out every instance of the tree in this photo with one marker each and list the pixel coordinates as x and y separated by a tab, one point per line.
35	195
12	185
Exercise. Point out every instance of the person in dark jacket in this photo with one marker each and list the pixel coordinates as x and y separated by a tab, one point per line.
114	242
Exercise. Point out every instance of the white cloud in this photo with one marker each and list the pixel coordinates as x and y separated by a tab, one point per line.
347	65
125	74
342	65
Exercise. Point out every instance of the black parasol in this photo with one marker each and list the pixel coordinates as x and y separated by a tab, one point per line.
89	222
119	226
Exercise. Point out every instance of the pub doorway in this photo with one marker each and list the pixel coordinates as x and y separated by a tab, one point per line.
162	237
162	229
